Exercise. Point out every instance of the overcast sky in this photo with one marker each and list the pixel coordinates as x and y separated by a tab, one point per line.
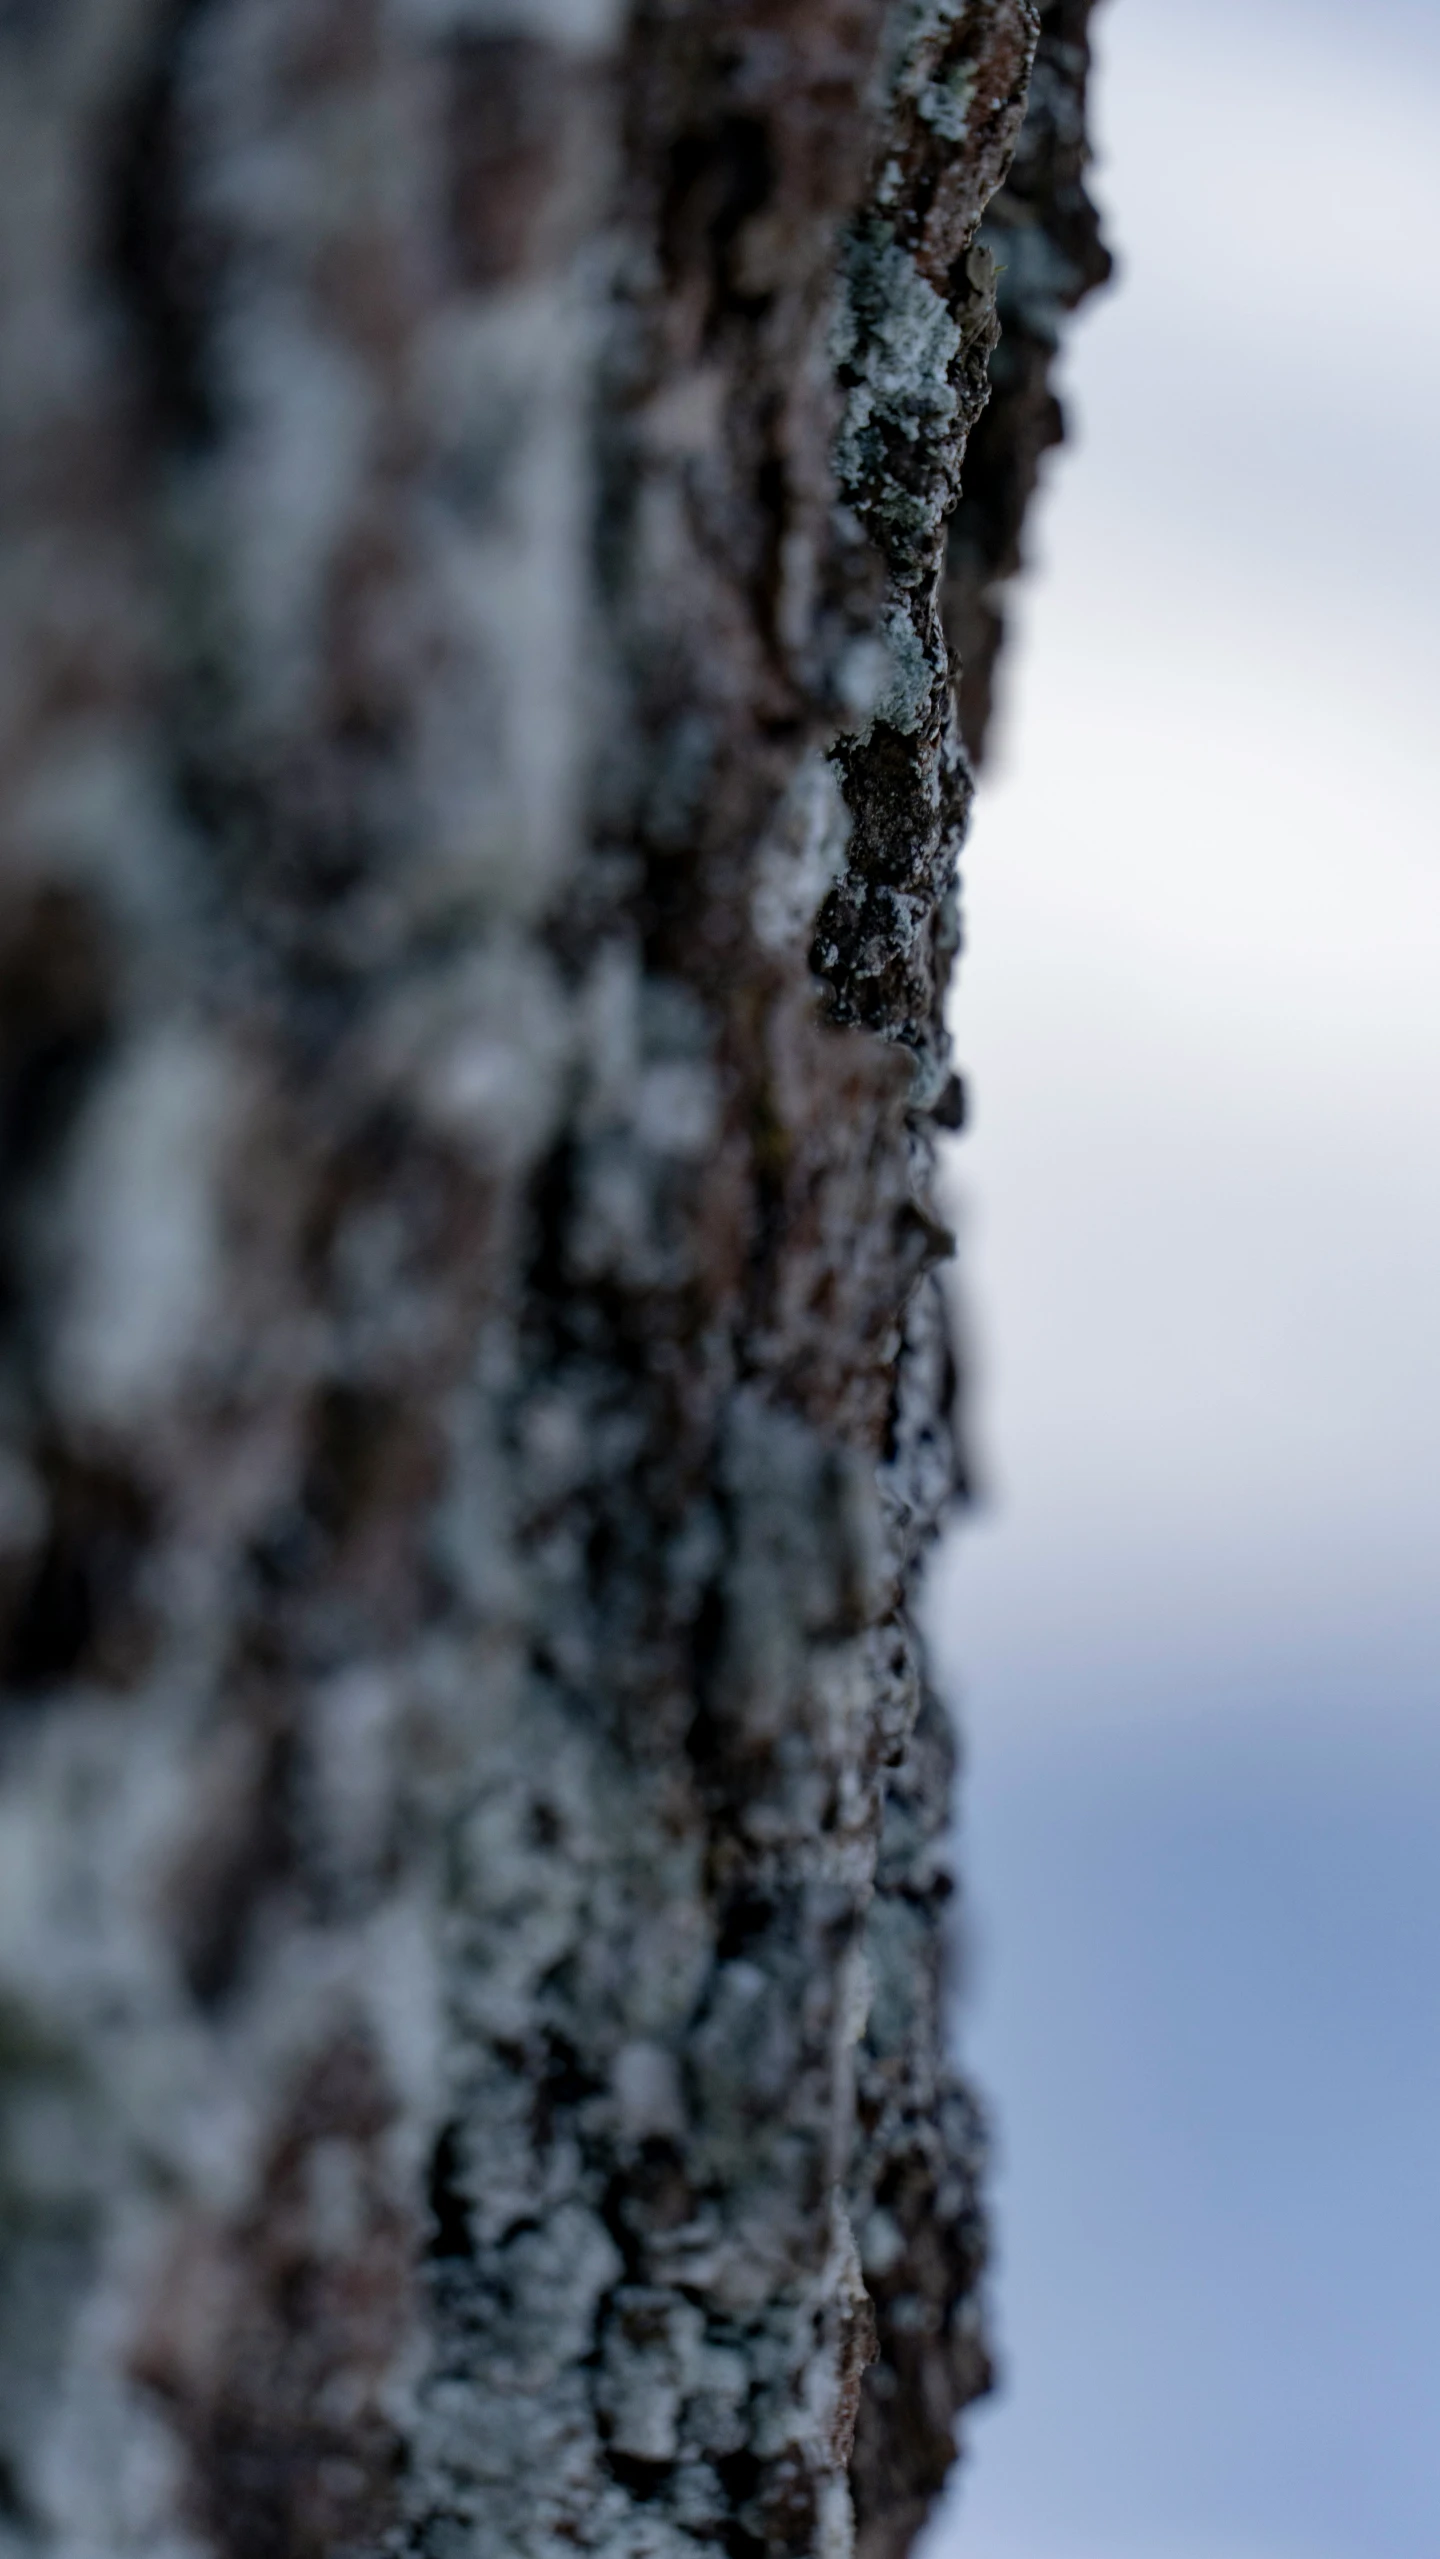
1197	1631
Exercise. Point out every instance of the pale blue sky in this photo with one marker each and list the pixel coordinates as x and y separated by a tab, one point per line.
1197	1631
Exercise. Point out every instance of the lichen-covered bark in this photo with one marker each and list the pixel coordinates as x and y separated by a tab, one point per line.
482	796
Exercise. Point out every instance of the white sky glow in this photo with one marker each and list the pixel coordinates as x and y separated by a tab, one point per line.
1201	1006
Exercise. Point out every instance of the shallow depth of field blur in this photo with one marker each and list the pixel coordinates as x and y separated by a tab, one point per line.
1196	1630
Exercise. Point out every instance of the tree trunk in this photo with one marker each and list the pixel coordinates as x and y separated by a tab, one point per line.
482	794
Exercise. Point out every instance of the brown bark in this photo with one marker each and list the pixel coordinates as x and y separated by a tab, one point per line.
482	799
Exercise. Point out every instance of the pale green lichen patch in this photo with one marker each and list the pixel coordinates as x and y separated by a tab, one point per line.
919	32
899	336
907	696
896	345
945	104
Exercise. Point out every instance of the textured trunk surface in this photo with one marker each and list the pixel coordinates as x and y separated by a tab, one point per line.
482	792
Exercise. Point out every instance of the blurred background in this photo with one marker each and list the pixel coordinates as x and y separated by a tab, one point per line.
1196	1628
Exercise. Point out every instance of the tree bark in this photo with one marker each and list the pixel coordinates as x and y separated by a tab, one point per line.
482	795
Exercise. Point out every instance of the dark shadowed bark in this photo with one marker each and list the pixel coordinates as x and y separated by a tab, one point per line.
482	795
1044	234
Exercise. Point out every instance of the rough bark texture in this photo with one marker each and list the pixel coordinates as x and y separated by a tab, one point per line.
482	795
1043	232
